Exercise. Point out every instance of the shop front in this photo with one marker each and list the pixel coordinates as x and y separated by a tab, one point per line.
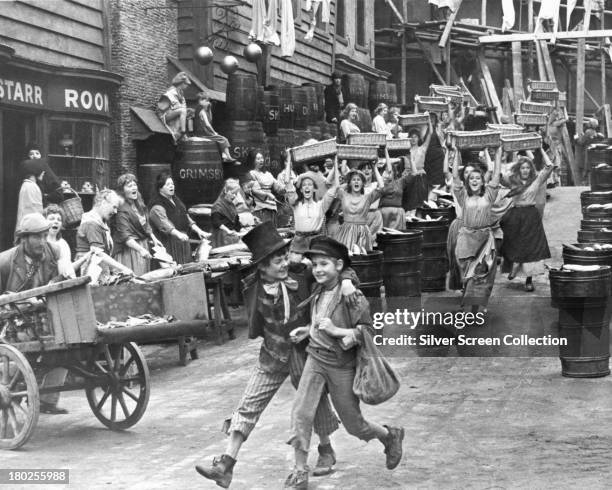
66	112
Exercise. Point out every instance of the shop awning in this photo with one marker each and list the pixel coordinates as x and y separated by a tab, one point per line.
146	123
347	64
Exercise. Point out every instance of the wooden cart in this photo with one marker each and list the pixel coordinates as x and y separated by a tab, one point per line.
107	364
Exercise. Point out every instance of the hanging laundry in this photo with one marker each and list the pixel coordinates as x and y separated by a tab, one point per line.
313	7
287	29
451	4
509	15
570	8
259	19
270	26
548	18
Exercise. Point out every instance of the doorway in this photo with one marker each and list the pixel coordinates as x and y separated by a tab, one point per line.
18	129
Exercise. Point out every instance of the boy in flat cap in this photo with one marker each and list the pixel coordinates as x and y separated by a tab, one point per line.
173	107
335	332
272	295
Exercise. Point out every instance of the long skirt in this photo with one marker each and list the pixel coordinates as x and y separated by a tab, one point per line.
454	276
524	240
375	223
394	218
478	274
132	259
355	234
416	193
332	227
180	251
266	215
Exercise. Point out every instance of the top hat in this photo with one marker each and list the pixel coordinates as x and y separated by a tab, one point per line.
324	245
263	240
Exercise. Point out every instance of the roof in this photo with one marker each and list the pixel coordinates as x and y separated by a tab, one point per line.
146	124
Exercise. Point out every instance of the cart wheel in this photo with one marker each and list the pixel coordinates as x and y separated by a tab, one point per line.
19	401
121	398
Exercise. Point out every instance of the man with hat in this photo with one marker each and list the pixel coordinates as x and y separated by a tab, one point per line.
335	332
272	295
334	99
173	106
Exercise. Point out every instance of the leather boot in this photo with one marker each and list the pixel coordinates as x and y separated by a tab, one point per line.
393	446
220	472
326	461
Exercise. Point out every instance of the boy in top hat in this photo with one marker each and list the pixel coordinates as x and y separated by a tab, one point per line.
272	295
334	99
335	332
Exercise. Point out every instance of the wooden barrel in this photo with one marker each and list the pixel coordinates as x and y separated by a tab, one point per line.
446	212
245	136
392	88
147	174
601	178
379	94
595	224
584	316
597	213
286	107
364	120
271	117
198	171
241	102
402	262
594	236
589	197
354	89
435	261
597	154
300	137
302	111
312	102
275	162
586	257
369	271
319	102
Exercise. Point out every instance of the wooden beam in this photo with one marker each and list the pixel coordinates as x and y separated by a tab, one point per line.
548	66
404	75
517	73
395	11
587	16
447	62
486	74
462	84
605	116
483	12
202	13
602	58
449	25
430	61
543	36
567	68
530	46
542	75
580	87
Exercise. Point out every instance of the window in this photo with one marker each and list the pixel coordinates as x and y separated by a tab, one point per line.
79	152
360	34
340	19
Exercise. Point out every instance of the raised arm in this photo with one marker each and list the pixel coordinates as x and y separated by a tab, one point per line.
456	178
430	131
379	179
496	167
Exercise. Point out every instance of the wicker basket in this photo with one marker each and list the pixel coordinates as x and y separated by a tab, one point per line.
402	144
531	119
430	98
411	120
506	129
562	99
543	95
541	85
453	93
316	151
431	106
72	209
377	139
474	140
354	152
518	142
535	107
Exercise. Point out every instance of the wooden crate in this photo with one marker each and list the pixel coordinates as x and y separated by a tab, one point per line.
72	316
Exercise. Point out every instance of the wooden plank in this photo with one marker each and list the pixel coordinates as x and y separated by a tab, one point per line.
486	73
483	12
517	73
203	27
84	313
602	61
55	319
542	75
580	79
184	297
604	117
473	100
85	15
447	62
430	61
449	24
403	69
547	36
506	103
5	299
106	34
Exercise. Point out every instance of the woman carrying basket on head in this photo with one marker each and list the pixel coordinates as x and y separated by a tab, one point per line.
475	249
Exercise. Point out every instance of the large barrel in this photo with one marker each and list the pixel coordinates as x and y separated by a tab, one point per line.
589	197
584	316
147	175
302	111
601	178
271	117
402	262
354	89
313	107
319	103
286	107
435	261
599	153
577	253
595	224
369	271
448	212
364	120
594	236
379	94
241	102
594	213
392	88
275	148
198	171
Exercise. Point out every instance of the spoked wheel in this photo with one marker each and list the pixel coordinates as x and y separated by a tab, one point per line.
19	398
120	400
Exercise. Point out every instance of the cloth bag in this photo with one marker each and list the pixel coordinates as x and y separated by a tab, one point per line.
375	380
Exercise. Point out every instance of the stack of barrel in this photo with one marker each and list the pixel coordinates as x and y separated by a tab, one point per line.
355	89
597	217
402	263
435	260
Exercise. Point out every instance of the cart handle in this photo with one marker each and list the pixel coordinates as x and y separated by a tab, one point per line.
8	298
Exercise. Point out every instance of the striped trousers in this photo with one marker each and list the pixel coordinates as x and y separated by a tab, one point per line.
261	388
